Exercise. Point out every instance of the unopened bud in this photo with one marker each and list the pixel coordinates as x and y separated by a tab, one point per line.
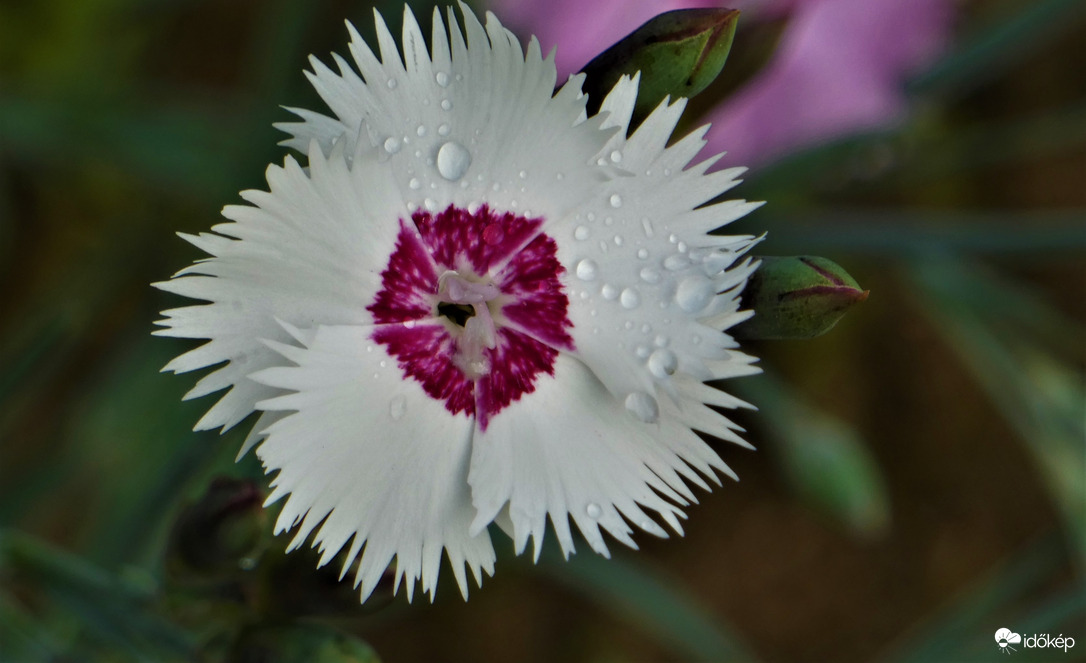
291	643
679	53
797	297
216	534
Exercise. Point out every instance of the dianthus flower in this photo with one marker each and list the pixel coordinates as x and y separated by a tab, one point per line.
474	304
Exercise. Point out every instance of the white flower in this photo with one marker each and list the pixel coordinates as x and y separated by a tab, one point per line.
475	305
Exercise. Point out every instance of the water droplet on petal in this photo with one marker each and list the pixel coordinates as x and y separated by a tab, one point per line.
397	407
442	79
616	200
587	270
421	131
580	232
493	234
694	293
630	298
446	104
443	129
618	240
663	363
646	225
415	183
649	275
661	341
523	174
453	160
593	511
609	291
643	351
643	253
392	83
392	145
643	406
675	263
616	156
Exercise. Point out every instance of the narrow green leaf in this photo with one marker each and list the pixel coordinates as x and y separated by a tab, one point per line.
823	458
653	602
1039	392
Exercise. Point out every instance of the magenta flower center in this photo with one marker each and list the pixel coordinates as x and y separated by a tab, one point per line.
471	306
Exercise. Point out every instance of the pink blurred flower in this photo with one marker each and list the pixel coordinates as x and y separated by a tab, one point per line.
839	68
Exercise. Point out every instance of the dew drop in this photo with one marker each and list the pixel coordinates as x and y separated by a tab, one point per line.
675	263
442	79
643	406
616	156
646	328
609	291
453	160
443	129
421	131
646	225
682	247
616	200
392	145
694	293
661	341
430	204
446	104
618	240
643	254
593	511
630	298
580	232
523	174
415	183
392	83
643	351
473	208
587	270
397	407
493	234
649	275
667	172
663	363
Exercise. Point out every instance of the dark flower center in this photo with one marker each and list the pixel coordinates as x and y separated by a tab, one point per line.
471	306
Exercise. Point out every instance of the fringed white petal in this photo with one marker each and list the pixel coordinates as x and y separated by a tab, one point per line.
365	456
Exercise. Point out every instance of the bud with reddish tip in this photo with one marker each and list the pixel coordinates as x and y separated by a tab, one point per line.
679	53
797	297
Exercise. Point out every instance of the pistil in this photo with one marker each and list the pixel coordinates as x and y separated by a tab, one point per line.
479	333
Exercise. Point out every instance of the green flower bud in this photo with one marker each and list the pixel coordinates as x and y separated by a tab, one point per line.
679	53
213	537
292	643
797	297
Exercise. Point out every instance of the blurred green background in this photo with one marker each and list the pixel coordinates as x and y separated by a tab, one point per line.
920	475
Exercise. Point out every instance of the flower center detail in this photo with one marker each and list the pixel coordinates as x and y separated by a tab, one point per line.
472	307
